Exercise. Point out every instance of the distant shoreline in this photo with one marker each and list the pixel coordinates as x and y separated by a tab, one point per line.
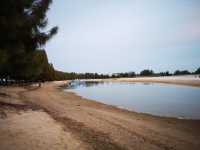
188	80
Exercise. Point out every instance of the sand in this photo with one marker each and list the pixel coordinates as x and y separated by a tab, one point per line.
189	80
61	120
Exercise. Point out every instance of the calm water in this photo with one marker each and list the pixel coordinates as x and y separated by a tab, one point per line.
156	99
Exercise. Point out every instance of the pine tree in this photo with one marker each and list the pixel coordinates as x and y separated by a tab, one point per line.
22	25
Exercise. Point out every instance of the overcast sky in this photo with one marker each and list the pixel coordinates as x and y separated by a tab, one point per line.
108	36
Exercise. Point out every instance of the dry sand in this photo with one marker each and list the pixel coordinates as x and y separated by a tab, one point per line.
53	119
25	126
191	80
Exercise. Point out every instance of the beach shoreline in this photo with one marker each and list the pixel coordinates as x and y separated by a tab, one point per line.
93	125
187	80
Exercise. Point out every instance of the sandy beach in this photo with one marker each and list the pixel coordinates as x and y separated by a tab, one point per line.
48	118
188	80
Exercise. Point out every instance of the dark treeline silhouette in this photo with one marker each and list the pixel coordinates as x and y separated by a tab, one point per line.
149	73
197	71
124	75
181	72
59	75
167	73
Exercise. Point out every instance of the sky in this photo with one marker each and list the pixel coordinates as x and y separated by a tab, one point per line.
108	36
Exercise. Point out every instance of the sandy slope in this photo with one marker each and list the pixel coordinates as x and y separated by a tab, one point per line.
93	125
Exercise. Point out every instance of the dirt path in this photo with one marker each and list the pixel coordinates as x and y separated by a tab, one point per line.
98	126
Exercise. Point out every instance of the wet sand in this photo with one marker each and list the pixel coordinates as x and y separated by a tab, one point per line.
77	123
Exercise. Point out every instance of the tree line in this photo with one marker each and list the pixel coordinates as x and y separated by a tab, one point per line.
144	73
151	73
23	33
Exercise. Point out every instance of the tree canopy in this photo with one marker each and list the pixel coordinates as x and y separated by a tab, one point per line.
197	71
181	72
22	24
147	72
22	31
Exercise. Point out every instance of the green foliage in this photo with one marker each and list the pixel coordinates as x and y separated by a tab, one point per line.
22	25
124	75
164	73
70	76
181	72
197	71
147	72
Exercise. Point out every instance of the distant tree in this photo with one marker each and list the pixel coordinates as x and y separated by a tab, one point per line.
177	72
123	75
147	72
131	74
197	71
164	73
181	72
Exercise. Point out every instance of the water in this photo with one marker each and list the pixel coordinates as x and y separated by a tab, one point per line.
156	99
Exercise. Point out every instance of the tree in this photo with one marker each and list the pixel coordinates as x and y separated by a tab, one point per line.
147	72
181	72
131	74
22	25
164	73
197	71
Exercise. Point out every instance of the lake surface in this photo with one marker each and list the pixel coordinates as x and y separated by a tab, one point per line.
152	98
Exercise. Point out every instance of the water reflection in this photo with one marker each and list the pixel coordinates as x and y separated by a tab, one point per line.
79	83
157	99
